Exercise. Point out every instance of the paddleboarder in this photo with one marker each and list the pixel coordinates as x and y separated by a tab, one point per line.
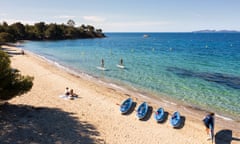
102	63
121	61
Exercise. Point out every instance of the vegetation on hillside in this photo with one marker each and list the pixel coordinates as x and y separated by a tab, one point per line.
42	31
12	83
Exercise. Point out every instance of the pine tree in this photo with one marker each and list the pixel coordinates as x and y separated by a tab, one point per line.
12	83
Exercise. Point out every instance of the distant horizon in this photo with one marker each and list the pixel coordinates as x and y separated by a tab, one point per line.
77	25
196	31
128	16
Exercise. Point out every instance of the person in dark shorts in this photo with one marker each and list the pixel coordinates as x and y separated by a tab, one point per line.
209	124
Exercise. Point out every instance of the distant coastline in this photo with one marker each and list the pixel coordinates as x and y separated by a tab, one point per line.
216	31
41	31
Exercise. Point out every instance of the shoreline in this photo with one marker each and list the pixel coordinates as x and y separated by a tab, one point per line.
131	90
114	96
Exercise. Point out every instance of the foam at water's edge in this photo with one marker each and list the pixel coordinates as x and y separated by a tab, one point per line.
116	86
60	66
147	73
225	118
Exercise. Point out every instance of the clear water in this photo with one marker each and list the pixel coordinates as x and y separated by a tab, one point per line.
202	70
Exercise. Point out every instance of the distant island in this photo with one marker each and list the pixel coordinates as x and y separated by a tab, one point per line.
41	31
216	31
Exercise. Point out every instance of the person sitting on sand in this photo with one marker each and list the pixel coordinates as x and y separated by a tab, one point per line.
209	124
67	93
72	94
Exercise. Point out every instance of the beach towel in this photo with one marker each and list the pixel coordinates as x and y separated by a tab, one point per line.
67	97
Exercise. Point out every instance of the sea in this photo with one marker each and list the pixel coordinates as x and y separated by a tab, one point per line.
197	69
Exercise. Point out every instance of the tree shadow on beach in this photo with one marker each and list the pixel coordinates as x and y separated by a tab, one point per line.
23	124
225	137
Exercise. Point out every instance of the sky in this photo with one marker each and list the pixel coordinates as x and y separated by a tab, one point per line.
127	15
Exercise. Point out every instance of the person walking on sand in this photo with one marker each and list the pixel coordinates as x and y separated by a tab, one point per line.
209	124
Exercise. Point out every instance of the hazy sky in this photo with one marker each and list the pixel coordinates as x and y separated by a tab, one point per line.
128	15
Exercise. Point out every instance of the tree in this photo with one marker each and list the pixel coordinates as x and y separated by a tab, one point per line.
54	32
42	31
71	32
18	31
71	23
12	83
6	37
4	26
90	28
99	30
39	30
30	32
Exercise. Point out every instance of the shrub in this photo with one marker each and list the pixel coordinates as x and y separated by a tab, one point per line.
12	83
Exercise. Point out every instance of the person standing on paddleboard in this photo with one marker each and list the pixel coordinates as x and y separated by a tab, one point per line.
121	61
102	63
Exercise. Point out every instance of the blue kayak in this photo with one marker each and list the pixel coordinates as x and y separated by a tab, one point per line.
159	115
126	105
142	110
175	119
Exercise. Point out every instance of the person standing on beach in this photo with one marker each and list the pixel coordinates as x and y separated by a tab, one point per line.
209	124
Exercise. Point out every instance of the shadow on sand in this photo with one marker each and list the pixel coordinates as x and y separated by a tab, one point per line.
131	109
149	114
225	137
165	118
182	123
24	124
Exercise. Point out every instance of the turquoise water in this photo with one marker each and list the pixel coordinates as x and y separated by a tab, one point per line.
202	70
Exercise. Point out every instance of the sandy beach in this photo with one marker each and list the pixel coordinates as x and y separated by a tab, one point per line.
41	116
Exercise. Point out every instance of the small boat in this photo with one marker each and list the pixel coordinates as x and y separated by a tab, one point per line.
142	110
126	105
145	36
175	119
159	115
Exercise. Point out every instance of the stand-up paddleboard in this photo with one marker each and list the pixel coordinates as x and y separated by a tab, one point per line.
101	68
120	66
